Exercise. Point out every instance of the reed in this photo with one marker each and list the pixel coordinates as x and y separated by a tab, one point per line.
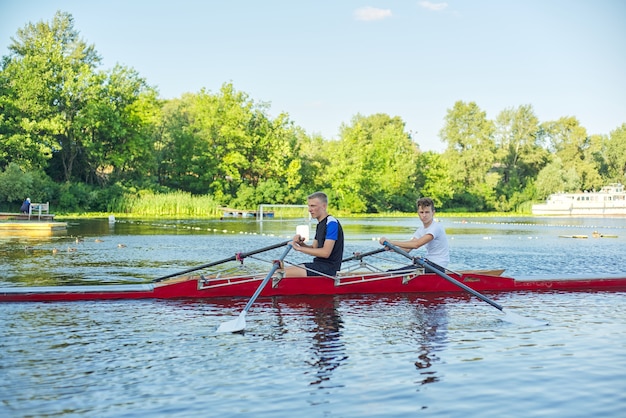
177	203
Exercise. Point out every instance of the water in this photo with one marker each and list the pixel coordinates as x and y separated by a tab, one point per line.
448	355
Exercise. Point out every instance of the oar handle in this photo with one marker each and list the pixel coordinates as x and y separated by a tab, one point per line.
236	257
241	256
427	266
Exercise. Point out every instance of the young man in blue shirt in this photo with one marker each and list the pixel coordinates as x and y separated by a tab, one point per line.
327	246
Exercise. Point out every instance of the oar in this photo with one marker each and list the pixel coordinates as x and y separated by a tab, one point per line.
513	317
239	324
359	256
236	257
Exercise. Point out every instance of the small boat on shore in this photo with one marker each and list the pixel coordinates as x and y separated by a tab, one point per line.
609	201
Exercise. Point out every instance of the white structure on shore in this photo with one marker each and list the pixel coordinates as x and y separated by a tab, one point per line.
609	201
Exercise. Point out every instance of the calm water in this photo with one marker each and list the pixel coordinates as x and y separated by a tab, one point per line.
398	355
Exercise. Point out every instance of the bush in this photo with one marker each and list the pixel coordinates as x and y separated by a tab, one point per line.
109	199
15	184
75	197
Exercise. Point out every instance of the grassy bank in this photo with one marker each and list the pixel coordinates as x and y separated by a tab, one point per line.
182	205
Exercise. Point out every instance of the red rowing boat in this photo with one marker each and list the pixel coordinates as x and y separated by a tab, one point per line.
415	281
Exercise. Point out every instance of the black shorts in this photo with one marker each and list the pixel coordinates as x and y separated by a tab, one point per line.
315	268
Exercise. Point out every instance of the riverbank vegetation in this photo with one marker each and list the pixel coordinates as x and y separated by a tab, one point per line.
92	140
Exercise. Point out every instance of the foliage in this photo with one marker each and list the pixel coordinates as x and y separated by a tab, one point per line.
434	179
219	143
571	144
92	140
376	169
614	152
76	197
519	154
16	184
556	178
48	77
470	153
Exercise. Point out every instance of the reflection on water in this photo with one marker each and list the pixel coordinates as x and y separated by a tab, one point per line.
328	349
323	329
431	332
421	331
348	356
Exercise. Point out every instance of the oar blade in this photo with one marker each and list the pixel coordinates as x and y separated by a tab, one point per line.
235	325
516	319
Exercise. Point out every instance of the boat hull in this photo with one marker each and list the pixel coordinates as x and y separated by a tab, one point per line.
200	287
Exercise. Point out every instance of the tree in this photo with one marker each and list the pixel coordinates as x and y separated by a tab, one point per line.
555	177
17	184
48	78
376	165
571	144
519	153
118	127
470	154
433	178
215	143
614	151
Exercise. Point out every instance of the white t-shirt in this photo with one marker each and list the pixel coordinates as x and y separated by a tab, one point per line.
437	249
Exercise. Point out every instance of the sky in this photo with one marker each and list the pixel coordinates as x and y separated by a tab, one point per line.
325	61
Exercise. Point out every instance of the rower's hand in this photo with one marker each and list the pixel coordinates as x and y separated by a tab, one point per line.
382	241
298	240
298	245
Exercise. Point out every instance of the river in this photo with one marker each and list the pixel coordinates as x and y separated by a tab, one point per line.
446	355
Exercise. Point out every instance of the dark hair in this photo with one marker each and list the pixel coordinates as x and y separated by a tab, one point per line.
425	202
319	195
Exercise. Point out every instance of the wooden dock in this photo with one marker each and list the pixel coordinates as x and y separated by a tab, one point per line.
7	216
32	228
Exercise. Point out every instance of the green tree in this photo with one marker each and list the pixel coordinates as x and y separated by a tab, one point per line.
375	167
433	178
306	171
571	144
470	154
519	154
16	184
614	151
215	143
47	78
555	177
118	128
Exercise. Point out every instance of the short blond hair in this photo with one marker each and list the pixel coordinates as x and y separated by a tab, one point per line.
319	195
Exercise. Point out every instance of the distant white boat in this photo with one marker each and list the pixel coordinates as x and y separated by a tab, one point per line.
609	201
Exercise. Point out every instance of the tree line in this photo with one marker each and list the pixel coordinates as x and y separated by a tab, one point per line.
88	139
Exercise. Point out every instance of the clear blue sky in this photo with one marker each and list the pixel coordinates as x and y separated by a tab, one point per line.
325	61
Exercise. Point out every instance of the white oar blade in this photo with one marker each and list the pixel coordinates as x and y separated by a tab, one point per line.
516	319
236	325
